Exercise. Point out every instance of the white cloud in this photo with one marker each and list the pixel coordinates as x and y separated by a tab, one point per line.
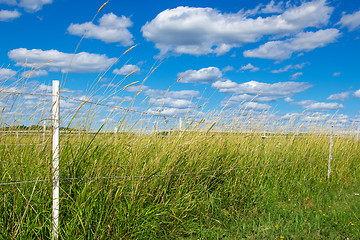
6	15
296	75
271	7
44	88
168	111
34	74
173	103
339	96
336	74
28	5
257	106
127	69
357	93
252	98
311	105
204	75
250	67
322	106
304	41
111	29
200	31
280	89
351	21
290	116
288	99
82	62
6	73
183	94
288	67
227	69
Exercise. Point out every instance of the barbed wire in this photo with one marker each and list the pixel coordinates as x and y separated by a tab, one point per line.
24	93
164	175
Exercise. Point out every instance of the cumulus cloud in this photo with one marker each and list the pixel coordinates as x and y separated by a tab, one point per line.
336	74
357	93
339	96
173	102
280	89
272	7
34	74
54	60
252	98
250	67
351	21
111	29
28	5
288	99
169	111
200	31
311	105
257	106
204	75
227	69
6	15
6	73
304	41
127	69
288	67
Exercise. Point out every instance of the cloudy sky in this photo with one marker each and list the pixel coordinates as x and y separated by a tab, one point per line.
289	58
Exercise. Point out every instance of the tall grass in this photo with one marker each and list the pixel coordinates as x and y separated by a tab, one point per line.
183	184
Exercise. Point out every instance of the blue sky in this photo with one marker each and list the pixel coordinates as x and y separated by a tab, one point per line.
285	58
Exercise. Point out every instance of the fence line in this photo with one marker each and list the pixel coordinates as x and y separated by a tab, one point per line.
165	175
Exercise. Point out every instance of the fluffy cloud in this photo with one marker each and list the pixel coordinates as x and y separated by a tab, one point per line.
127	69
288	67
280	89
250	67
227	69
248	97
336	74
54	60
204	75
357	93
288	99
339	96
271	7
6	15
173	102
34	74
28	5
311	105
169	111
200	31
351	21
257	106
111	29
6	73
305	41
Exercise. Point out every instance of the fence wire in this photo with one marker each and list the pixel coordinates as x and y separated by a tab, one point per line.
163	175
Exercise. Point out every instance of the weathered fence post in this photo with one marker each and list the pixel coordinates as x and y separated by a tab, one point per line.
55	159
330	153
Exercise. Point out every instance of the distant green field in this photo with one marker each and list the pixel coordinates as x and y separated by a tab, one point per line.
183	185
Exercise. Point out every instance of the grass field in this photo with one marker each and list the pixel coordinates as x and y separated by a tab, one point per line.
183	185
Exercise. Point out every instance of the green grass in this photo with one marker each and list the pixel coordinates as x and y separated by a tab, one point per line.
190	185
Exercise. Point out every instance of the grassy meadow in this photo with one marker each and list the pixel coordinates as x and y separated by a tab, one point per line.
182	185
